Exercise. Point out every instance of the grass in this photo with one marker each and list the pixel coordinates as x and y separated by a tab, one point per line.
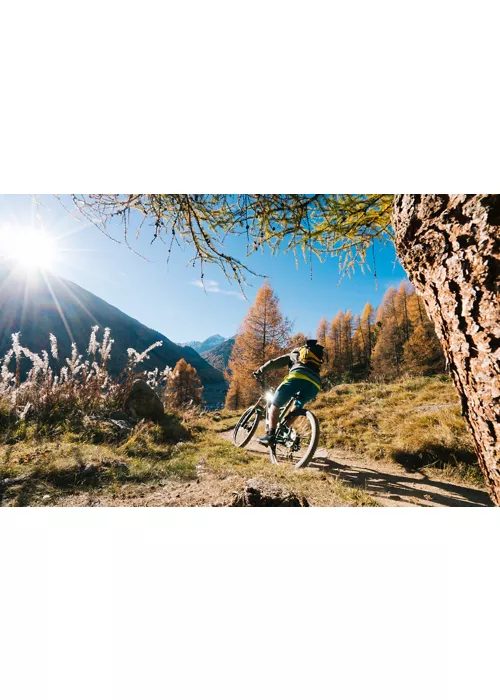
416	423
187	461
183	462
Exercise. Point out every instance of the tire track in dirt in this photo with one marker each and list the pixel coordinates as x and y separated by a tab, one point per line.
389	484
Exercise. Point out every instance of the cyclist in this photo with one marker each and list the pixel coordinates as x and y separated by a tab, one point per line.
304	365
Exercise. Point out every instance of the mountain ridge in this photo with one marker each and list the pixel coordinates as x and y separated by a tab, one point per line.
204	345
38	304
219	355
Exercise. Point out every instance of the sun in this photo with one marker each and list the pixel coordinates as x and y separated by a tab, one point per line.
29	247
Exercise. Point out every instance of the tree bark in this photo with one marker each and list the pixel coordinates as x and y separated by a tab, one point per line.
450	247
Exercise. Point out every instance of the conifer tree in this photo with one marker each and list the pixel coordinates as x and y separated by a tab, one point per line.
422	354
297	340
322	332
263	335
346	348
388	351
184	387
367	333
335	346
401	304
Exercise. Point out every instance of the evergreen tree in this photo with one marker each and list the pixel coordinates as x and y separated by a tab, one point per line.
264	334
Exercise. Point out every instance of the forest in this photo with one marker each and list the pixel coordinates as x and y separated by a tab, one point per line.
395	340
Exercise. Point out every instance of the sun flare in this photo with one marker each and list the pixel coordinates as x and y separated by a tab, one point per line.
31	248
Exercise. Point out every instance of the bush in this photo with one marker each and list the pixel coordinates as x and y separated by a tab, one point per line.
53	393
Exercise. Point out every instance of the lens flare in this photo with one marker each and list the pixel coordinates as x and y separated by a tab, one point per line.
28	247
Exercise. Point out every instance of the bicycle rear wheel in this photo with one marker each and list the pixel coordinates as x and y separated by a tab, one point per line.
246	427
295	446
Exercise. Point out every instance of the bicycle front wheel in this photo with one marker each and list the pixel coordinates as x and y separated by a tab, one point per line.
296	445
246	427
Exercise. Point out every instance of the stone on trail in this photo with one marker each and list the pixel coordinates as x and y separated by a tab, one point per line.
143	402
260	493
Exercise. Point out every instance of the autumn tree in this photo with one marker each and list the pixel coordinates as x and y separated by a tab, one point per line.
296	341
422	353
388	351
448	244
366	333
263	335
184	386
322	332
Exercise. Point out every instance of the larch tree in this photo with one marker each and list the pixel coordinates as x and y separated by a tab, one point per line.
184	387
322	332
297	340
450	247
388	351
366	332
335	345
263	335
448	244
422	353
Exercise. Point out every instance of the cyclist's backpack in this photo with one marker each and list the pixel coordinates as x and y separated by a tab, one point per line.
311	355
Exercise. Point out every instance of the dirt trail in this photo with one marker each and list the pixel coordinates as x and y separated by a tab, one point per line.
389	484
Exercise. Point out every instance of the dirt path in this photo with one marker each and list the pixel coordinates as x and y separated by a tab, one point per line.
389	484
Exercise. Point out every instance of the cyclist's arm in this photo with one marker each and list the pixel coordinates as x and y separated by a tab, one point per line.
277	363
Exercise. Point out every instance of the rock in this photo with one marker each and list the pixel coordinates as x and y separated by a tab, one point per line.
119	416
144	403
46	497
122	425
260	493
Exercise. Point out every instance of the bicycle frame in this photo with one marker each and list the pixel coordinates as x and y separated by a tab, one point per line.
283	412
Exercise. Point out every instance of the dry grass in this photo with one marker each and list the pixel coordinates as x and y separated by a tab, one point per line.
152	467
416	423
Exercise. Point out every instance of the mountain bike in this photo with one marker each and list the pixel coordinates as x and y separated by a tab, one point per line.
297	432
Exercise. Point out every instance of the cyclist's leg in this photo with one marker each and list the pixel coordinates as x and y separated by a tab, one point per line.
283	394
308	392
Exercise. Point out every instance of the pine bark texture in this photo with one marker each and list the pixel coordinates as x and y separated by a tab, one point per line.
450	247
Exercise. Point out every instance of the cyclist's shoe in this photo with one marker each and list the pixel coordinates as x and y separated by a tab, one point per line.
268	439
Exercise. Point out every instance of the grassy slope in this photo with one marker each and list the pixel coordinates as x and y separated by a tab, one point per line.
416	423
153	467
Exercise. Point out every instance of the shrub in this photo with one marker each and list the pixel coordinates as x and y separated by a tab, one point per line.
54	392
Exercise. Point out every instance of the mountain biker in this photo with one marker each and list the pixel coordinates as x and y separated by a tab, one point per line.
304	364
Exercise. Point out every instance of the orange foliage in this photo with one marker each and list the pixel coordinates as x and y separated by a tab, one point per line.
263	335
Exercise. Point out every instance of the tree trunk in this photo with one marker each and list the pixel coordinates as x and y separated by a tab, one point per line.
450	247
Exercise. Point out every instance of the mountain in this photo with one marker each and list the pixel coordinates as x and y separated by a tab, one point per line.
39	304
204	345
219	355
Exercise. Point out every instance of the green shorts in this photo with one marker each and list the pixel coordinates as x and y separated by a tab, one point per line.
288	389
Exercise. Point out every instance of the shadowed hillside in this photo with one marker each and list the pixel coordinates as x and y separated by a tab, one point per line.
38	305
219	355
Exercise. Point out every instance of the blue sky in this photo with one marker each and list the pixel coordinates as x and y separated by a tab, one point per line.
170	297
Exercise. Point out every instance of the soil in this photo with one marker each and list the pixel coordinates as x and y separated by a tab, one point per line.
389	484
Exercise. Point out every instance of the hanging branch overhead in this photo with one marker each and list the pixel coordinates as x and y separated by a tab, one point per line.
317	224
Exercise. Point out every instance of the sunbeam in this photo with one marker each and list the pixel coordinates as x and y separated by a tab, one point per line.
28	247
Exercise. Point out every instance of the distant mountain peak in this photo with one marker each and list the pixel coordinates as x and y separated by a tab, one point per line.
205	345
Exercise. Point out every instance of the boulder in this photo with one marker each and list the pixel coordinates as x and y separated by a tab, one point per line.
144	403
260	493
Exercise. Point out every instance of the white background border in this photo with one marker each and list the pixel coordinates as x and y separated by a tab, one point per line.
267	96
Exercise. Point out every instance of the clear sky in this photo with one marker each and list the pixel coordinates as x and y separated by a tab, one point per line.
170	298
